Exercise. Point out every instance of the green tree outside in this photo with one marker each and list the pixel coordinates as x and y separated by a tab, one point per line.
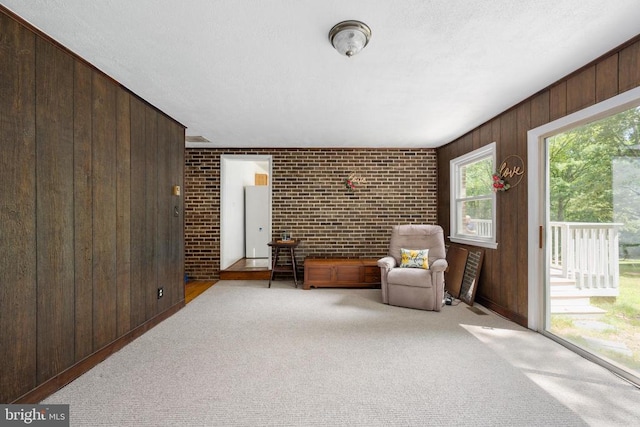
583	163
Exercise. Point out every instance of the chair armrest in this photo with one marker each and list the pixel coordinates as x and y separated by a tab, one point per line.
387	262
438	265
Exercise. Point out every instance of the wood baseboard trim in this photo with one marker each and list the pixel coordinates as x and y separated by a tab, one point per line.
245	275
517	318
54	384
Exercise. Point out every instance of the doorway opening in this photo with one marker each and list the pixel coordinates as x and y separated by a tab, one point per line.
245	213
584	268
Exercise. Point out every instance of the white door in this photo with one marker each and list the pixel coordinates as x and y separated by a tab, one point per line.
256	221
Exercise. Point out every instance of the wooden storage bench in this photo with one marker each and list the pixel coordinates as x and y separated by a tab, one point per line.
341	273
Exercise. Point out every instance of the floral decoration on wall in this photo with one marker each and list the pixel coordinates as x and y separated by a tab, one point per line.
354	181
499	183
511	169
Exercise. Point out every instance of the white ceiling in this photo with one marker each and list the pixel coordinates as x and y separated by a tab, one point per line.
249	73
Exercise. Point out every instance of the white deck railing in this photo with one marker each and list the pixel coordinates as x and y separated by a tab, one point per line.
586	253
484	227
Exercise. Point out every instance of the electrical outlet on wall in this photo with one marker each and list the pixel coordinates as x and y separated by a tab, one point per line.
160	292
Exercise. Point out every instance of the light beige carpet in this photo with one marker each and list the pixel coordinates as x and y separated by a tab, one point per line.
245	355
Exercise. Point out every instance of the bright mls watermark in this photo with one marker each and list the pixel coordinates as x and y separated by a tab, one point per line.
34	415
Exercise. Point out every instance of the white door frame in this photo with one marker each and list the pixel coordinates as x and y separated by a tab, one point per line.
227	213
538	178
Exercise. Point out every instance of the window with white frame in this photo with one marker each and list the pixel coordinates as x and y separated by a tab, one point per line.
473	203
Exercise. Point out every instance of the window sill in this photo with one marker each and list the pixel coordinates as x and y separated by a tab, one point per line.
473	242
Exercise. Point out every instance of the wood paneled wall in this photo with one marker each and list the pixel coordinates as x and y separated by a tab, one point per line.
87	225
503	284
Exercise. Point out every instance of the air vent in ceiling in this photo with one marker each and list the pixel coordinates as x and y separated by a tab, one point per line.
196	138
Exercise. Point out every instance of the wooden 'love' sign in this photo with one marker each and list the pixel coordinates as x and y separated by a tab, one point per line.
512	169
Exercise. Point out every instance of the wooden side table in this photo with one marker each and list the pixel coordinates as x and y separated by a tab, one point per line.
284	244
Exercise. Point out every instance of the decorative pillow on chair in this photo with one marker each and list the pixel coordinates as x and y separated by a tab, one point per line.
414	258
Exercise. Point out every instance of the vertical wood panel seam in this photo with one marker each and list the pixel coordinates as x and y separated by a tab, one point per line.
35	160
93	221
157	210
116	211
618	71
73	204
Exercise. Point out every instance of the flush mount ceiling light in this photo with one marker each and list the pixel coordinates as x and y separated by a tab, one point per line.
349	37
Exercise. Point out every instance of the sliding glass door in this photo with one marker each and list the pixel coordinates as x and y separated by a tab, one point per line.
592	245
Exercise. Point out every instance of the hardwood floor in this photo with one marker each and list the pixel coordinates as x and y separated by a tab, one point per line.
250	264
195	287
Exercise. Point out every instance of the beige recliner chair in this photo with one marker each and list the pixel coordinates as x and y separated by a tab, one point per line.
422	286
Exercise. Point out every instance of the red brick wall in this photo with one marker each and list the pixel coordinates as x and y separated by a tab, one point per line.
310	200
